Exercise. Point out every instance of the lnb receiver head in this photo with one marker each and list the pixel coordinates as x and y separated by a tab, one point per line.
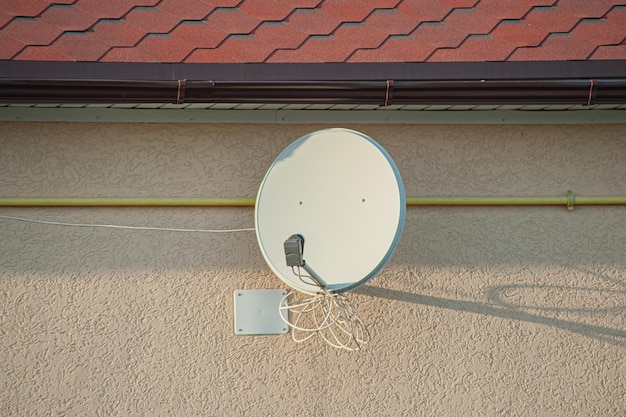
294	249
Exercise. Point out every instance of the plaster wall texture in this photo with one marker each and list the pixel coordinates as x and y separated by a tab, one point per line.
482	311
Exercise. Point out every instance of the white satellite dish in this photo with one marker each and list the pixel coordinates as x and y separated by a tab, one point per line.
342	194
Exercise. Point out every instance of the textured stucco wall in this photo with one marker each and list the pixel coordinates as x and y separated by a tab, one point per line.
512	311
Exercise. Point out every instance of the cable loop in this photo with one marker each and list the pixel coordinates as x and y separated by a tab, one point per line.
327	313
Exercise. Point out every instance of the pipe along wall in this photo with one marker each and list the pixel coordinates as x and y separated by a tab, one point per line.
569	200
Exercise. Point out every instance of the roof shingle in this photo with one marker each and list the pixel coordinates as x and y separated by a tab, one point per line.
31	31
432	11
312	22
67	18
188	9
273	33
584	8
391	22
240	31
519	33
470	21
394	49
437	35
110	9
117	33
4	19
267	10
41	53
127	55
556	46
551	19
599	31
164	47
291	56
24	8
151	19
199	34
609	52
351	10
10	47
81	46
485	46
509	9
234	49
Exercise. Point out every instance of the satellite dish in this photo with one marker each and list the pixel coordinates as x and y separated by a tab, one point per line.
338	196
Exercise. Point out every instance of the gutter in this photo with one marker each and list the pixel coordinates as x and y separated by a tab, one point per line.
381	92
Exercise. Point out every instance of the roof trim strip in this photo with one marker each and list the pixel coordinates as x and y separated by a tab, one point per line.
322	117
426	71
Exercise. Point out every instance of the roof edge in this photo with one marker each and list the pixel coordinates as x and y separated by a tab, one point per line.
426	71
383	93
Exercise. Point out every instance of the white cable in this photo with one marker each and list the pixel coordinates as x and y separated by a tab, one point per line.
334	310
326	313
114	226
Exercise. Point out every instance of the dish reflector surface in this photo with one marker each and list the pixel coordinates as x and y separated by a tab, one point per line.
343	193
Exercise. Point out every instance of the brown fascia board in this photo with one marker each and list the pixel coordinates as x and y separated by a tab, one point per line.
426	71
563	82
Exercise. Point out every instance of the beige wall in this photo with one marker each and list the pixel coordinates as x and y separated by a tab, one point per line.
514	311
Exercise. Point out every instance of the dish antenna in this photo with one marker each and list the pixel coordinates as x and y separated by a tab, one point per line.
329	215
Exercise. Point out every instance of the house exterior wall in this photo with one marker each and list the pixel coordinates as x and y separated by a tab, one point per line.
482	311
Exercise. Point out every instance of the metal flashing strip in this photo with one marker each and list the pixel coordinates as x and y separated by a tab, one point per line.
326	117
524	70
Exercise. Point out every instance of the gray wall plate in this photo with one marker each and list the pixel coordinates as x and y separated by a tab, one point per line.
257	312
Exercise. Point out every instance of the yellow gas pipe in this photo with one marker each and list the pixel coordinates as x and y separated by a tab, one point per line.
568	200
127	201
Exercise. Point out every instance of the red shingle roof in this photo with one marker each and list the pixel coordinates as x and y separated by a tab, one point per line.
306	31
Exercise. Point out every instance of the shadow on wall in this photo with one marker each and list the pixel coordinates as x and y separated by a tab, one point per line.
499	305
492	240
513	236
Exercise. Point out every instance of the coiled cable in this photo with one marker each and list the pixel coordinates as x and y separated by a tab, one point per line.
327	313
